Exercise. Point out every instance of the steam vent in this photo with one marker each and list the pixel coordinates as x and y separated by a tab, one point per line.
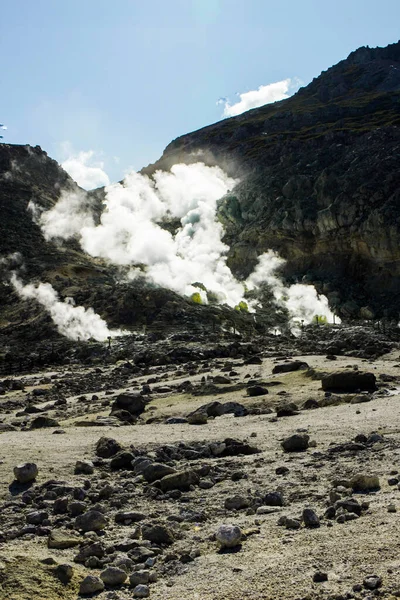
200	364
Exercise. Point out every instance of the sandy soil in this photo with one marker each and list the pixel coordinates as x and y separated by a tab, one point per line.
273	562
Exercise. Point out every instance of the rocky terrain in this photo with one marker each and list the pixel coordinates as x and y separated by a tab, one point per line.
210	453
320	182
197	469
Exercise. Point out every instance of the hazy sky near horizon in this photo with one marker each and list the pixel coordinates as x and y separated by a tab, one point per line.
110	84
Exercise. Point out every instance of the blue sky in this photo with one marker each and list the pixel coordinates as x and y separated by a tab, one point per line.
123	78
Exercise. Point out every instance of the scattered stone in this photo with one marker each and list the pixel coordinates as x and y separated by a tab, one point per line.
113	576
156	471
319	577
287	367
64	573
107	447
198	417
139	577
122	460
133	403
93	520
292	523
310	518
365	483
129	517
236	503
228	536
141	591
281	470
181	480
257	390
311	404
90	585
273	499
296	443
84	467
26	472
158	534
372	582
61	540
287	409
43	421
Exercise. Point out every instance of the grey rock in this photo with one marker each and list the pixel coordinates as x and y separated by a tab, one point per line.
365	483
310	518
64	573
107	447
372	582
61	540
257	390
141	591
93	520
296	443
156	471
113	576
287	367
26	472
122	460
228	536
158	534
90	585
139	577
84	467
236	503
181	480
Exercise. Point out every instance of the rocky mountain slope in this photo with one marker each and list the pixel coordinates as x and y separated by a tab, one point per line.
29	178
319	183
320	180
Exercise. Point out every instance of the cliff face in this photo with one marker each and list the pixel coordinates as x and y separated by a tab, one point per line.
320	181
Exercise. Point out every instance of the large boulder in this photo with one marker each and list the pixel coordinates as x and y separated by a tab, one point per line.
349	381
107	447
133	403
25	472
43	421
296	443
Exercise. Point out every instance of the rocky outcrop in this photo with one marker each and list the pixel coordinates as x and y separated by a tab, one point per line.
319	181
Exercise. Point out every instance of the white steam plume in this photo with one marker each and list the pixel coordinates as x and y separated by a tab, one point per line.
302	301
88	176
74	322
130	234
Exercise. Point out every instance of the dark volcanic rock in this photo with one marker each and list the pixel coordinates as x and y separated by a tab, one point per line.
107	447
349	381
287	367
134	403
296	443
181	480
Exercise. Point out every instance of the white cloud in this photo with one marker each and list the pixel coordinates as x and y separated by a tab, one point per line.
88	176
265	94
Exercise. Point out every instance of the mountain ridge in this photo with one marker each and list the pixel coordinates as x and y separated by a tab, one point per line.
319	184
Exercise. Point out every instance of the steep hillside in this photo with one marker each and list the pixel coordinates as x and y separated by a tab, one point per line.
30	181
320	180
